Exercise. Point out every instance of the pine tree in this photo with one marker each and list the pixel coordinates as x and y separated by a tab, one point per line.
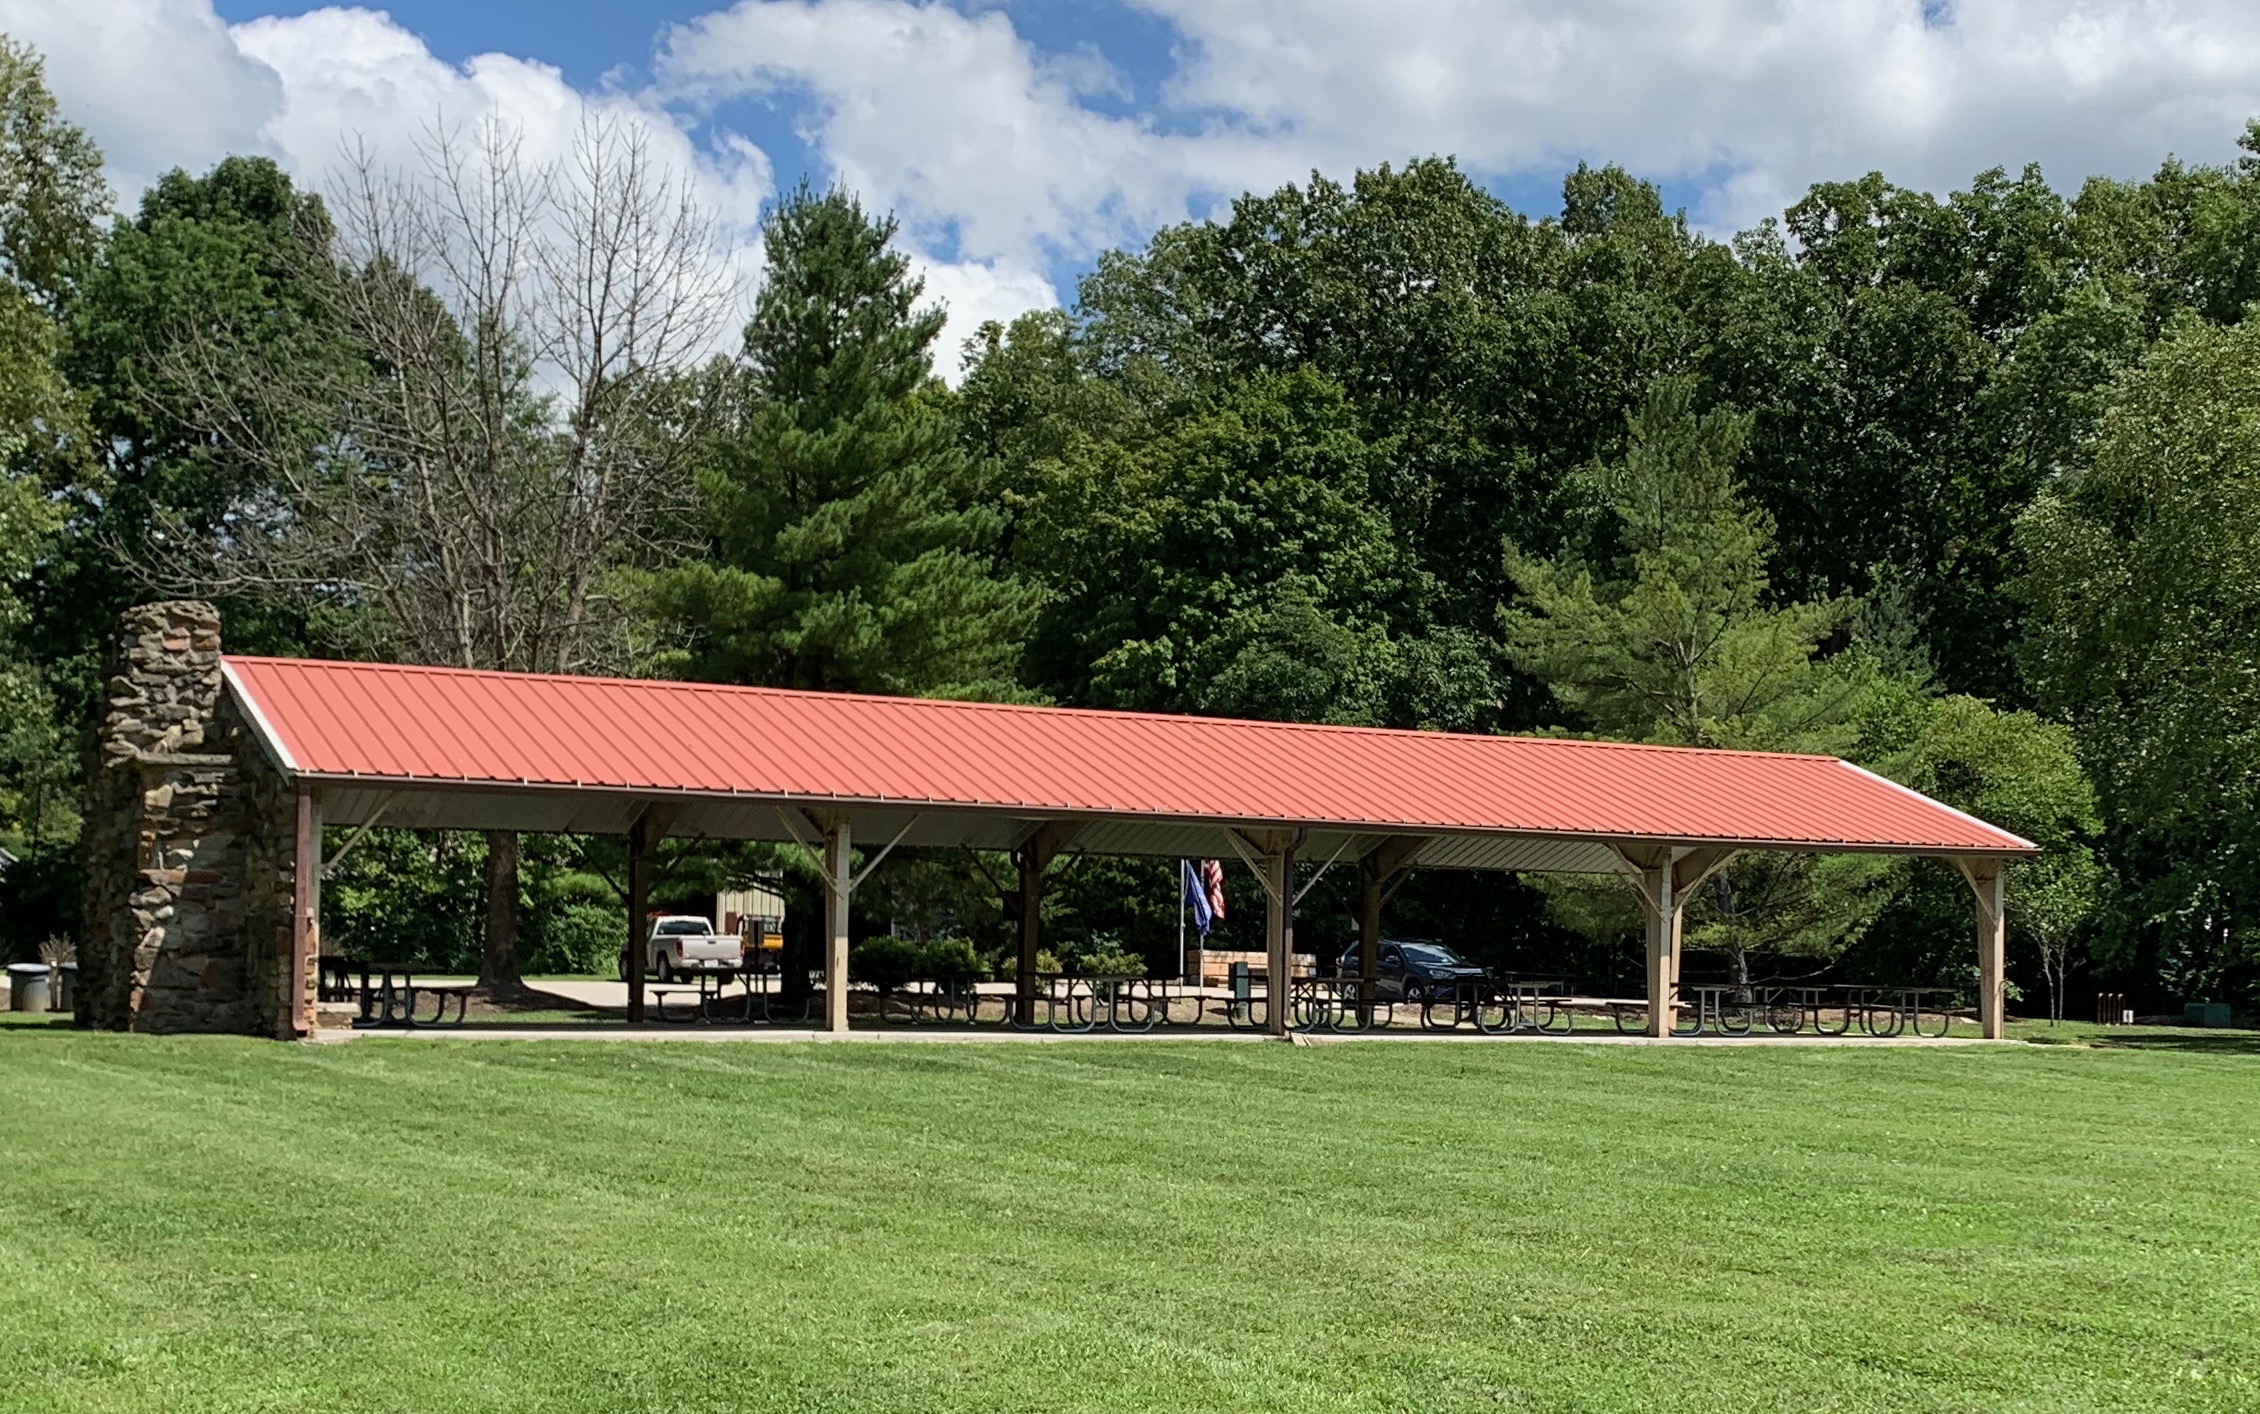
1672	640
850	550
1675	640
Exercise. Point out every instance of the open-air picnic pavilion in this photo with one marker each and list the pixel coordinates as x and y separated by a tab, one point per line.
365	744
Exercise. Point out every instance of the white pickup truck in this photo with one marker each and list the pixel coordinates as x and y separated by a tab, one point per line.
683	944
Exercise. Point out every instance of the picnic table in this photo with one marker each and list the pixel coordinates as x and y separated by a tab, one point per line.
1830	1008
1889	1010
708	999
704	991
1720	1008
1539	1005
1132	1004
1497	1005
1338	1004
389	994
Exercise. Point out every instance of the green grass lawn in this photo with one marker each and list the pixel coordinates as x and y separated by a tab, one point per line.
227	1224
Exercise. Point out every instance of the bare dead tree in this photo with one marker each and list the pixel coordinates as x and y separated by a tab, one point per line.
512	428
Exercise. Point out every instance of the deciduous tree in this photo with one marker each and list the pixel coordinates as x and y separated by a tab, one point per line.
52	197
2145	570
515	429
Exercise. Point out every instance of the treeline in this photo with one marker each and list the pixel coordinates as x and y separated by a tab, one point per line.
1961	489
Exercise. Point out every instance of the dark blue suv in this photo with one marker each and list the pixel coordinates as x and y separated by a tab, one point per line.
1413	969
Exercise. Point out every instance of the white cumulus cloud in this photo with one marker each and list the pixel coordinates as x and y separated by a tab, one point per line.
353	78
981	145
1750	100
1011	167
953	120
974	293
160	83
992	153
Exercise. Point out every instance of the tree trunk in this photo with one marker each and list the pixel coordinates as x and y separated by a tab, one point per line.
804	921
498	970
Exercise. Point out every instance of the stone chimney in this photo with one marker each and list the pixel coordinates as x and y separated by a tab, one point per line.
164	857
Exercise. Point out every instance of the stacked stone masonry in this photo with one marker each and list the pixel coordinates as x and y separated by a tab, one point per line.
189	845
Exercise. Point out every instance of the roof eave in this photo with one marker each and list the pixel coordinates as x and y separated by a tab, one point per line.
262	730
1913	849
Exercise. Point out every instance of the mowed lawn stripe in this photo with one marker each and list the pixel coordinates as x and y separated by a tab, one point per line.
209	1223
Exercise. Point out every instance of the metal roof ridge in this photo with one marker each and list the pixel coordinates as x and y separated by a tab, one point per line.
1030	708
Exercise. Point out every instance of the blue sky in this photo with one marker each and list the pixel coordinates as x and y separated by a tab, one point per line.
1017	139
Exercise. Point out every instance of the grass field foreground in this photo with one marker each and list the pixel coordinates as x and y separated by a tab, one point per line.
209	1223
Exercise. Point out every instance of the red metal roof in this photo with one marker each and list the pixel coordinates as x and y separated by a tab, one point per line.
408	724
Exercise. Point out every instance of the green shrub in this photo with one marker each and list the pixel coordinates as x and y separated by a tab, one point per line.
580	938
884	962
1113	962
1005	962
888	962
952	960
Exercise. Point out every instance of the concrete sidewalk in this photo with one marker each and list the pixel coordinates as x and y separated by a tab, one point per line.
595	993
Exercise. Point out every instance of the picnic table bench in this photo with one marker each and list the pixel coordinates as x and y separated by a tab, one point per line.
1539	1005
1716	1008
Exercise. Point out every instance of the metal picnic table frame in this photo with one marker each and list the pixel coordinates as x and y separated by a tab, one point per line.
388	994
1892	1010
1510	1004
1877	1009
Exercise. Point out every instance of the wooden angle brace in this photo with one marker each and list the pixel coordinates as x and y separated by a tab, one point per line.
330	864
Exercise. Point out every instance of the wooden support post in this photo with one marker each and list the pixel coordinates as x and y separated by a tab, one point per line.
1031	926
1664	916
1666	878
305	911
1985	878
1370	885
1279	933
1379	869
639	912
1034	858
838	889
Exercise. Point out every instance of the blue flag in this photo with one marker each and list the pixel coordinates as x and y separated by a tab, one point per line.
1195	890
